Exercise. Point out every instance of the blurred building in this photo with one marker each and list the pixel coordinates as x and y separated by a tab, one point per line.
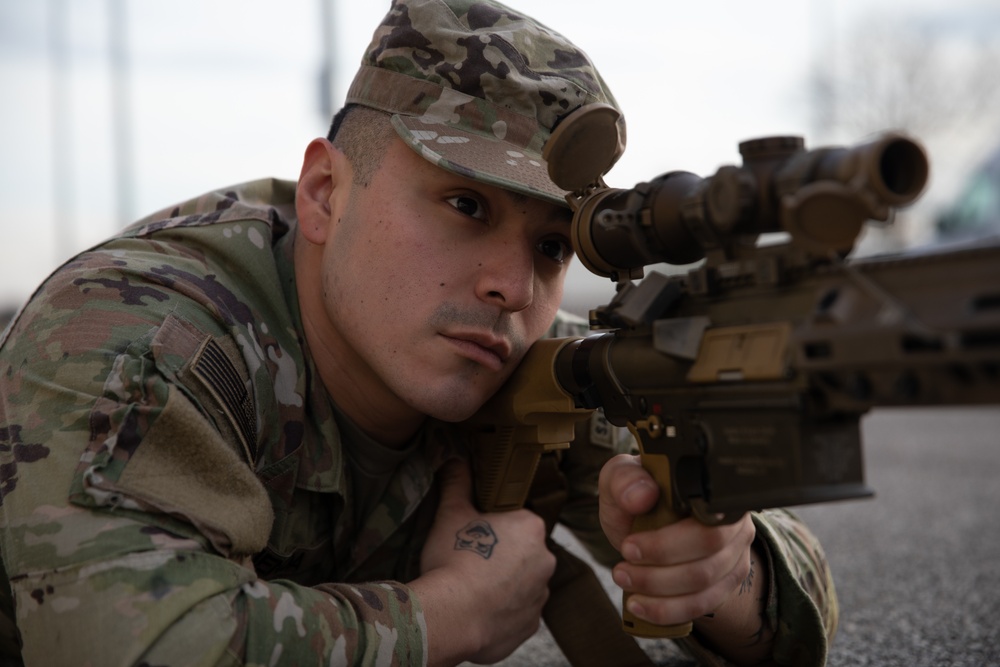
976	211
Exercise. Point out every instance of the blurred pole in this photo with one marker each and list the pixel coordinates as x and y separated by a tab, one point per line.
62	131
121	111
825	69
327	76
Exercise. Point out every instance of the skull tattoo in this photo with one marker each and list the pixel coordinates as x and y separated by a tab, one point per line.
477	536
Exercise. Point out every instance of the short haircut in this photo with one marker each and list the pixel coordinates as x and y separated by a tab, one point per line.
364	135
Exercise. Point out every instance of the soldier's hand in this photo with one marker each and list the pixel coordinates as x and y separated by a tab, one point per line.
484	577
676	573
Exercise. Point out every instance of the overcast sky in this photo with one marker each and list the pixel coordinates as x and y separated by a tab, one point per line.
223	91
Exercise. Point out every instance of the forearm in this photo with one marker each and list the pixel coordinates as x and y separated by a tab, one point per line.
444	612
739	629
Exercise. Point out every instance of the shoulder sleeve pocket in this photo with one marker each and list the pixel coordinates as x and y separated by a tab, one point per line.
184	467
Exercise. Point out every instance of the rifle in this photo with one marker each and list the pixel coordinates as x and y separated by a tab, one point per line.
744	380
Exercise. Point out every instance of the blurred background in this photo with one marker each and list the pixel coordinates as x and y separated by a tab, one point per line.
115	108
112	109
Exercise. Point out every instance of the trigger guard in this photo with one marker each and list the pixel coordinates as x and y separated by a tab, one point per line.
699	508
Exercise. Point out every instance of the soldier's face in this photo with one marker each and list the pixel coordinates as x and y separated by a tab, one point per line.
439	284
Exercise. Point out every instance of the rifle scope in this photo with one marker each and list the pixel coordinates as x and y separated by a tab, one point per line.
820	197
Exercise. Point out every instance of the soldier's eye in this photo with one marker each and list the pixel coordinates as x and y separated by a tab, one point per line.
468	205
557	249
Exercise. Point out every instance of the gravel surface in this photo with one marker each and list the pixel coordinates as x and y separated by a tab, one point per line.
917	568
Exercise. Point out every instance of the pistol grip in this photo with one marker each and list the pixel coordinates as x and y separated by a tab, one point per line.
505	469
661	515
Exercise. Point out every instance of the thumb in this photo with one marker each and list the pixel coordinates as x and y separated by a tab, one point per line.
456	483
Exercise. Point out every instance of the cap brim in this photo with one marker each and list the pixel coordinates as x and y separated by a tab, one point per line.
480	158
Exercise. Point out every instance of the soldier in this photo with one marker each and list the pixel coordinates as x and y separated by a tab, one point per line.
225	434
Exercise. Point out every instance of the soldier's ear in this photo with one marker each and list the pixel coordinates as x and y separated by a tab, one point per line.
323	187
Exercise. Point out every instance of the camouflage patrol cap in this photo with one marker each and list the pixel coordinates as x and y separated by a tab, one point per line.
477	88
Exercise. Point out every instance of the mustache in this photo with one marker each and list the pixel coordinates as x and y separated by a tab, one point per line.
450	316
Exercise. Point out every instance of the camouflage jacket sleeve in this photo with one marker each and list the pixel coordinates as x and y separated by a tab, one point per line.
127	519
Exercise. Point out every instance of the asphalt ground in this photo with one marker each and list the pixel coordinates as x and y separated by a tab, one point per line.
917	568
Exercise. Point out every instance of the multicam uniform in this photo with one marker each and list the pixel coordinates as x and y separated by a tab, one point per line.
173	485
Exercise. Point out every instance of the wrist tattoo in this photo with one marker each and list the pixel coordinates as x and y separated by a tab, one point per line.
762	629
478	537
748	582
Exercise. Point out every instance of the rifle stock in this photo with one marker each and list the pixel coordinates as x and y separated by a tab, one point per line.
530	415
744	381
